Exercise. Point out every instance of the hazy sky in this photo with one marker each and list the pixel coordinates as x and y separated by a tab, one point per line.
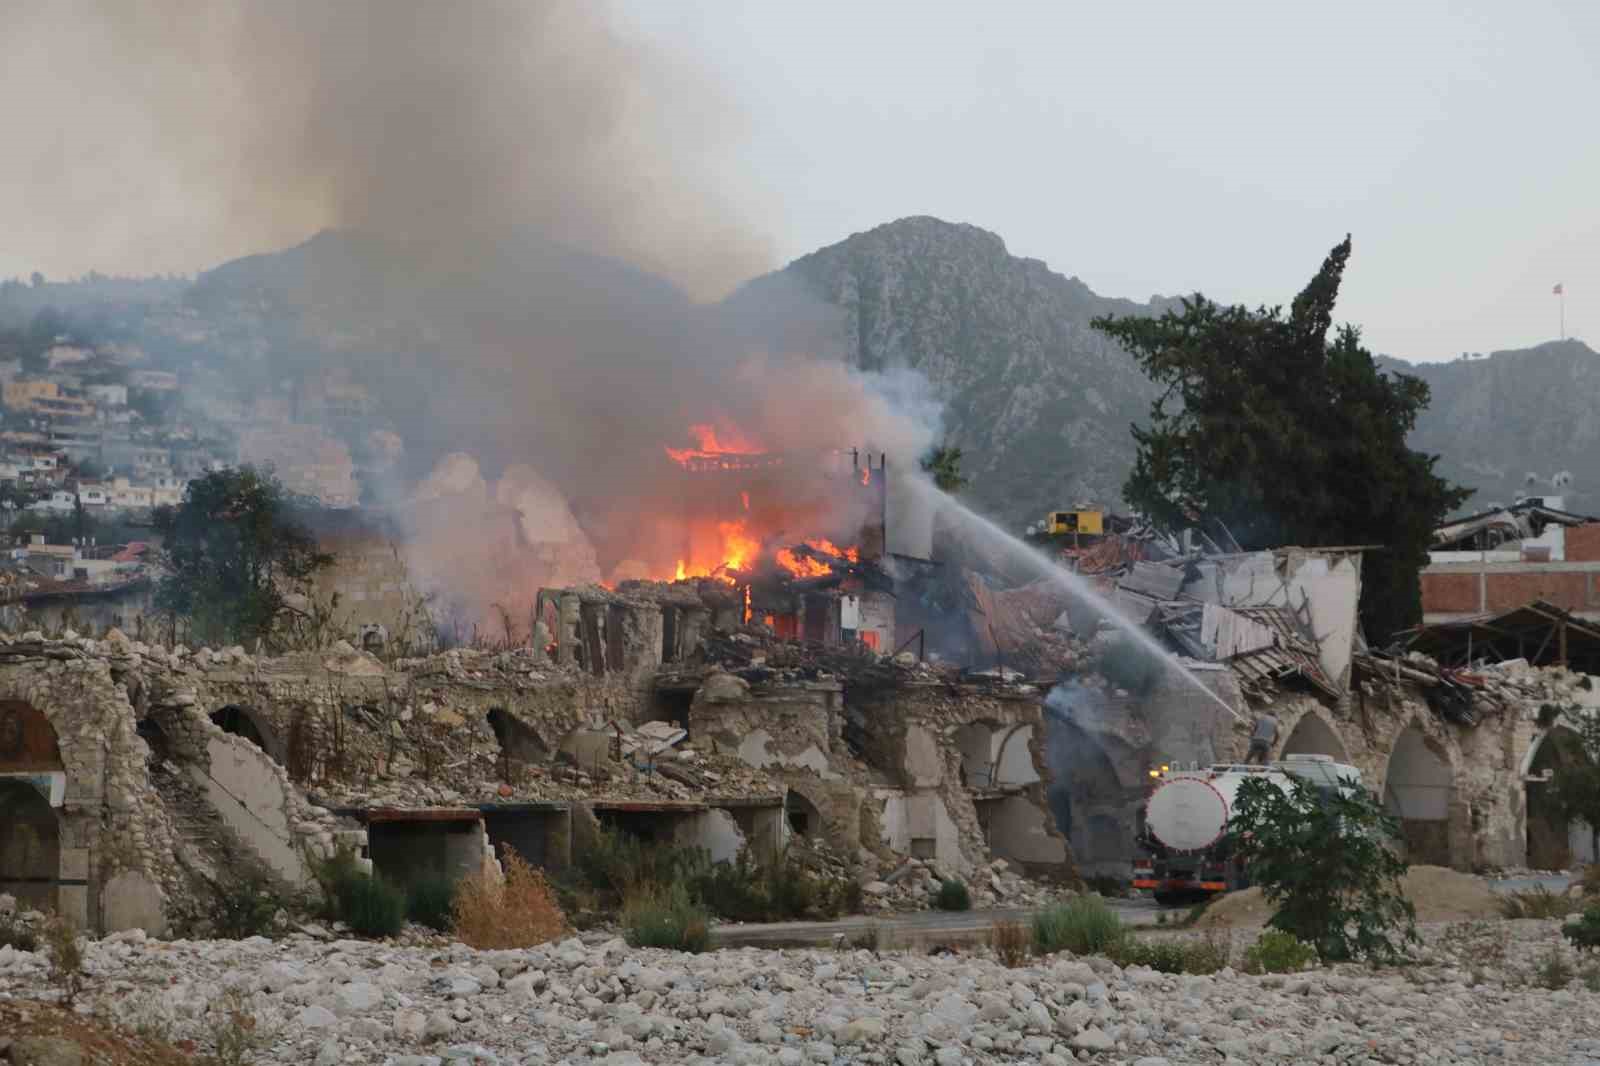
1167	147
1146	148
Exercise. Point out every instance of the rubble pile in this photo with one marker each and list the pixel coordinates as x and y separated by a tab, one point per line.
1463	696
914	886
1472	997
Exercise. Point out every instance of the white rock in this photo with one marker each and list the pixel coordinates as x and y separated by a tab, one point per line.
360	996
329	1053
1092	1039
317	1017
409	1025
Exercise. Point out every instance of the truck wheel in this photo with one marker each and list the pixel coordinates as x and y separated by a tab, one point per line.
1168	899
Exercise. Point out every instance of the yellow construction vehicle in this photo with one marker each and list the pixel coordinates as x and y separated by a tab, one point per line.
1090	523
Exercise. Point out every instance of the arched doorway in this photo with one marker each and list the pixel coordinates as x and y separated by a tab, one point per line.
1553	842
32	777
244	722
1313	736
803	817
1417	791
975	742
30	845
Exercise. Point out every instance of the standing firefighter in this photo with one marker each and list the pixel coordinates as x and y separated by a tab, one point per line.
1261	739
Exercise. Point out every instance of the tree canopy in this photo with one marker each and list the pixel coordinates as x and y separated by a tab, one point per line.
943	464
236	550
1282	435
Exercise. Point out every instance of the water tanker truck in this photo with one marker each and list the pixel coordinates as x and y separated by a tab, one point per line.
1183	825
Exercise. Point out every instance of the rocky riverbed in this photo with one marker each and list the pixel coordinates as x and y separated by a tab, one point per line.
1474	995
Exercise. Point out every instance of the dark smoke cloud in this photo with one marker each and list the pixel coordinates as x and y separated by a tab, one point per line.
168	135
517	208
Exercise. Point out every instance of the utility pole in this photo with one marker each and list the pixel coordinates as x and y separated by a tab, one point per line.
1561	297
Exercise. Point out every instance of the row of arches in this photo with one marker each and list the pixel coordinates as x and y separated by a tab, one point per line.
1095	797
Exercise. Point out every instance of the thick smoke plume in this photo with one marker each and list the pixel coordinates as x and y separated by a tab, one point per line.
517	207
167	135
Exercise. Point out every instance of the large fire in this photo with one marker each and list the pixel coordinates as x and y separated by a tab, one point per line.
718	446
729	540
806	565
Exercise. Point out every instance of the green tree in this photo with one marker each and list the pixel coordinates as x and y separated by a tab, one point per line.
1281	436
1325	860
943	464
1575	788
235	549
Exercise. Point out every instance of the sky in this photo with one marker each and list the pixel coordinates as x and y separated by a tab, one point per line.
1154	148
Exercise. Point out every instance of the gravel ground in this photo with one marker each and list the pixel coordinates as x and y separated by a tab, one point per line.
1471	997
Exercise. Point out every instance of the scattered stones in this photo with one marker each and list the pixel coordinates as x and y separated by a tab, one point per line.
1470	998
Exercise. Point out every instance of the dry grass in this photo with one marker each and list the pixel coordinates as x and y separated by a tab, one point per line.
1590	879
102	1043
518	912
1010	941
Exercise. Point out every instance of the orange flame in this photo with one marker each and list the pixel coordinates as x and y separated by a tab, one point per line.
736	550
714	441
744	498
809	566
866	477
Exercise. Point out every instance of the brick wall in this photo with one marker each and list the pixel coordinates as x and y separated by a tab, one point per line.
1450	593
1583	543
1568	590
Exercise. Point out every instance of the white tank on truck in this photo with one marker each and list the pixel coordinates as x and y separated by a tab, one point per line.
1183	825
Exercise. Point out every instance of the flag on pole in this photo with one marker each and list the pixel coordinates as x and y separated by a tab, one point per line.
1557	290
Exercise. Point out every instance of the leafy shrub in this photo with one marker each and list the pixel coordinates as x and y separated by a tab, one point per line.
15	933
518	911
1083	926
1554	972
1585	932
429	901
620	865
777	889
66	957
372	906
1009	941
666	918
1324	861
1278	952
1206	955
244	908
953	896
1536	902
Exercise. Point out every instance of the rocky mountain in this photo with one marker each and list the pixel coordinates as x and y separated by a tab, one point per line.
1039	402
1516	422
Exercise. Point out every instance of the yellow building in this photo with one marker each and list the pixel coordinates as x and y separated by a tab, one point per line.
20	393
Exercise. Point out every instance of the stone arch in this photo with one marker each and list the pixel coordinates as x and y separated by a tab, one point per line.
1552	842
253	726
1314	735
975	743
519	743
1014	757
1418	789
1093	807
30	845
156	739
32	780
801	815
